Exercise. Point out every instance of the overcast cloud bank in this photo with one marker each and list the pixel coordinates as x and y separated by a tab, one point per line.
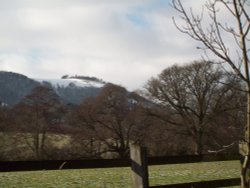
124	42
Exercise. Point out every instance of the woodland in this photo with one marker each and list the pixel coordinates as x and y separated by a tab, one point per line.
195	108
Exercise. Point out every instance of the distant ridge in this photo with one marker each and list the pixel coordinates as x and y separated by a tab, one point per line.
14	86
71	90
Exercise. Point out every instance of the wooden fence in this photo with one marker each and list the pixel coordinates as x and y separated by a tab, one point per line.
138	162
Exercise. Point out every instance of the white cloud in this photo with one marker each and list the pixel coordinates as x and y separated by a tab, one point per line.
125	42
15	62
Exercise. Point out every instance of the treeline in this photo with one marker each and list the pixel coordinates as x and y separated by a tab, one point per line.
192	109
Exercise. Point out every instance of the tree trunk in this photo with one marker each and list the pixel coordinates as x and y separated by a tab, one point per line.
197	138
36	144
245	148
42	149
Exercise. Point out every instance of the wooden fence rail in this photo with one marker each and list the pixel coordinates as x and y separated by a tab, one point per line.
7	166
204	184
140	163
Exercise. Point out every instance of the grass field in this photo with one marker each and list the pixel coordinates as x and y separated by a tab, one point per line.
11	143
119	177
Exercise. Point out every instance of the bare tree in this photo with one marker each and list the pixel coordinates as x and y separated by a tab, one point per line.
213	35
38	113
3	118
114	118
3	127
194	96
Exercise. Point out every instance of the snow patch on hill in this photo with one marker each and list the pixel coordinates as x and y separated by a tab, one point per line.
71	82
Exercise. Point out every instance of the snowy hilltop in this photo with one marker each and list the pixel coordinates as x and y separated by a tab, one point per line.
71	90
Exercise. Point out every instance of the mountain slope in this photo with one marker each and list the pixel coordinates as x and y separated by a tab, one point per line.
73	90
14	87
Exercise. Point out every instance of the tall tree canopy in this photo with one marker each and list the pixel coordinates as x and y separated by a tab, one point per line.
214	33
197	94
114	118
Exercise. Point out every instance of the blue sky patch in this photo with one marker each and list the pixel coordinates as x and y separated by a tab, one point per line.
137	20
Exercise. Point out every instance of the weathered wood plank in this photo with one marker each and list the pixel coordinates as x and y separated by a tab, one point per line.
139	166
204	184
107	163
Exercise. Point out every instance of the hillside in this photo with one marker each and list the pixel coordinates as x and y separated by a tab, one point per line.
13	87
71	90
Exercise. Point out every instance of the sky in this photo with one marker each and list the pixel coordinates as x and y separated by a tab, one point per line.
125	42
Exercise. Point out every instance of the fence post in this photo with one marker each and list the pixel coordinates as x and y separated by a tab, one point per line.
139	166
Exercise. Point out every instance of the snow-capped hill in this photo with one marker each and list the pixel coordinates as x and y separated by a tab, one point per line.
71	82
73	90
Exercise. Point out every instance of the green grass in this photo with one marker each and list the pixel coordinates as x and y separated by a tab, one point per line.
119	177
11	143
180	173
